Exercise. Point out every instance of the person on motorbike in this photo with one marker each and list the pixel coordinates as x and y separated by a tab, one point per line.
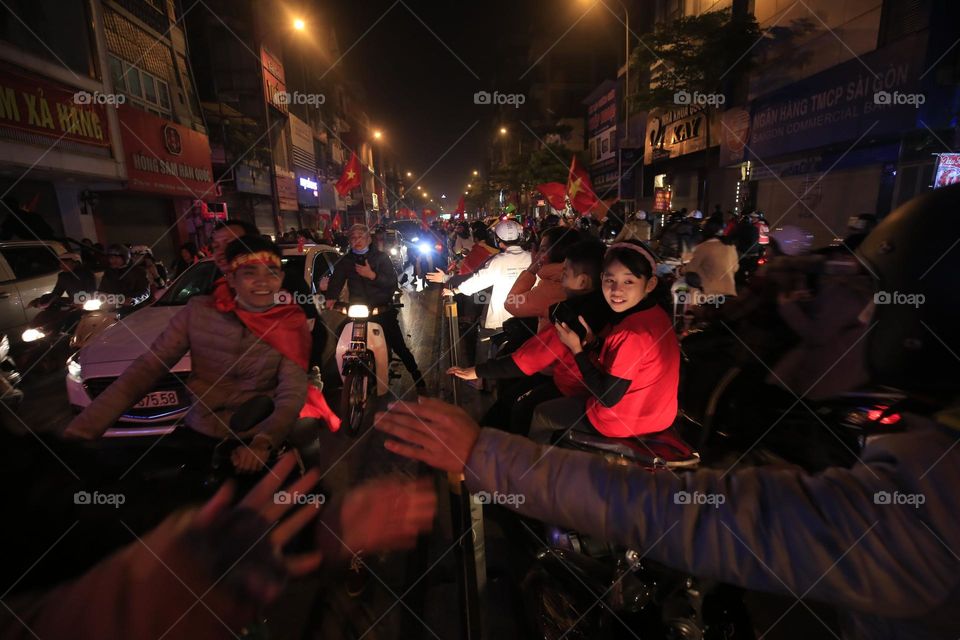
463	240
75	280
540	285
876	541
125	280
371	280
543	363
500	272
244	349
633	383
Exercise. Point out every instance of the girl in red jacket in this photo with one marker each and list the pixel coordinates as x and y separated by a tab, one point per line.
633	387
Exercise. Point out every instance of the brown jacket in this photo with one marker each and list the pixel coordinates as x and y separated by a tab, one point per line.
842	537
533	295
230	365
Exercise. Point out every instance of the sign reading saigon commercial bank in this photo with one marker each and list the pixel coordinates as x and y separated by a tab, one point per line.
165	157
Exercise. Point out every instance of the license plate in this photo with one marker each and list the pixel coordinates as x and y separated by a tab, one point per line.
158	399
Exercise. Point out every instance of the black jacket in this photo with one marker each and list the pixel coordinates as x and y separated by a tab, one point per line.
80	280
373	293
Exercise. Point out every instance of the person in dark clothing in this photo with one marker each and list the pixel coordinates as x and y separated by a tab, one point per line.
371	280
189	256
74	280
128	282
22	224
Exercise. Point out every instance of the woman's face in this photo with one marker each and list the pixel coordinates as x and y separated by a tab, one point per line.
622	289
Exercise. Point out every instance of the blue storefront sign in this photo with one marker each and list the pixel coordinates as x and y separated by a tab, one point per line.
874	94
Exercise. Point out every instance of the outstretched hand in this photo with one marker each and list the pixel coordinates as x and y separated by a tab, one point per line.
464	373
438	276
431	431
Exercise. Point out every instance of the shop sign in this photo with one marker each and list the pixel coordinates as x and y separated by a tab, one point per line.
734	133
274	83
842	103
32	105
308	189
602	113
287	189
163	156
662	199
948	170
676	132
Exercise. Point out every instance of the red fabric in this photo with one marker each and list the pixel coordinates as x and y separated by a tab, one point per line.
461	207
545	350
350	179
643	349
555	193
580	189
477	256
283	327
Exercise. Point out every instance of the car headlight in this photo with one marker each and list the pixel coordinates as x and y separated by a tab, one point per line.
93	304
32	335
73	369
415	240
393	251
425	247
358	311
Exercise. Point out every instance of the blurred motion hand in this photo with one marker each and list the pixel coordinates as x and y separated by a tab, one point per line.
432	431
386	514
249	459
464	373
438	276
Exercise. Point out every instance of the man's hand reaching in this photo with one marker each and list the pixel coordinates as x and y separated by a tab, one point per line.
431	431
437	276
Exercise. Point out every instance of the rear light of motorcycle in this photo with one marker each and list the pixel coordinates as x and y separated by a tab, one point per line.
438	246
879	414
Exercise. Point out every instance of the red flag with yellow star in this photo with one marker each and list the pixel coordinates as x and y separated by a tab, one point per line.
580	189
350	179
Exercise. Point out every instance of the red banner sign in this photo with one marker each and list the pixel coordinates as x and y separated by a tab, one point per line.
274	81
662	198
165	157
32	105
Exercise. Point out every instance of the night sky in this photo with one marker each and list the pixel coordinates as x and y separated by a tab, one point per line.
422	95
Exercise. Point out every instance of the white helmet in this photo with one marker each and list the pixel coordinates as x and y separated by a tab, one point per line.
793	241
508	230
696	214
640	215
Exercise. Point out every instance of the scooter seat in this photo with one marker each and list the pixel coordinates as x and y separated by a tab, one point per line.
662	449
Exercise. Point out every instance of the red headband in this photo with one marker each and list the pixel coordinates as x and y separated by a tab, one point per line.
258	257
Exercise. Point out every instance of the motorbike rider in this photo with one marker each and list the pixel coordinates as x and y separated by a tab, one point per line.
75	280
123	278
371	280
877	541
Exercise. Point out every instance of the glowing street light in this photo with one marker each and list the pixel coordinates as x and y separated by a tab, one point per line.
475	172
469	186
503	131
378	134
409	174
299	24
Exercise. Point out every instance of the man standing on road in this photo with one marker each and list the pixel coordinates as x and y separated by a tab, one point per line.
371	280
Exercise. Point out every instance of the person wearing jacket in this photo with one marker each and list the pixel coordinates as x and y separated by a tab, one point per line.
540	285
123	279
715	262
371	280
877	541
231	364
74	280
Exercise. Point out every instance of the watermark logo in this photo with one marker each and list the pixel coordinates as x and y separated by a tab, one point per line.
698	298
503	499
896	98
896	297
485	97
299	298
97	499
684	97
896	498
481	297
699	498
297	498
97	299
309	99
85	97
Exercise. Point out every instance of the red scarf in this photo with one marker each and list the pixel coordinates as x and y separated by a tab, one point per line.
283	327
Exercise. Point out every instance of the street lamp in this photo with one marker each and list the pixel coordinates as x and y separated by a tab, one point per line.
419	188
377	135
475	172
503	131
409	174
469	186
299	24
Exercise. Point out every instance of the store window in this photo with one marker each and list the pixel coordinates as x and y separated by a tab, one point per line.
146	91
56	30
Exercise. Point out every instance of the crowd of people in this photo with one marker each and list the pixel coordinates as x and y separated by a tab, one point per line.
574	323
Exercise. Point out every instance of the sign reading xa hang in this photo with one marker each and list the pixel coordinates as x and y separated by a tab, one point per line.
677	132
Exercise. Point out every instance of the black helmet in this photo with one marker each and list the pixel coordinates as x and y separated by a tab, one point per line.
121	250
913	256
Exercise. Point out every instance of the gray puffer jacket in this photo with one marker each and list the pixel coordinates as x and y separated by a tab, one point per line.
230	366
879	541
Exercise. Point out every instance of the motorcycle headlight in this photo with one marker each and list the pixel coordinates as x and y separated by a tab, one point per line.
358	311
93	304
393	251
32	335
425	247
74	370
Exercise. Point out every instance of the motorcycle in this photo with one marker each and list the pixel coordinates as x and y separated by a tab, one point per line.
427	252
363	360
45	335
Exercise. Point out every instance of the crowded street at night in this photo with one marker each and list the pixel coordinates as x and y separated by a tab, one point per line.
513	320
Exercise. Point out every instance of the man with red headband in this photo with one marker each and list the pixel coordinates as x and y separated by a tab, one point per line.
246	351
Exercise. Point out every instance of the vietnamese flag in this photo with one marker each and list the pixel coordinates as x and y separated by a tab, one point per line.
350	179
461	207
580	189
555	193
337	223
